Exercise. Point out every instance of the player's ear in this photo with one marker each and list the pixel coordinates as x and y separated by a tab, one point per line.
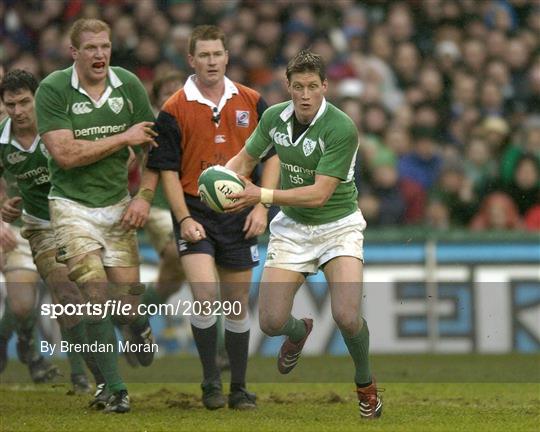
325	85
74	52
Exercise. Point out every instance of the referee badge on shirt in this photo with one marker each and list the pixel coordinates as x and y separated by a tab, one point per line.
242	118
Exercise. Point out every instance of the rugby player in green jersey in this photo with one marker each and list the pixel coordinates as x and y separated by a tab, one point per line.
319	226
24	158
88	116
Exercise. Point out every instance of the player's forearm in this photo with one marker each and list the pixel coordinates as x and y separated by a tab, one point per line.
73	153
148	185
312	196
305	196
242	163
175	194
149	179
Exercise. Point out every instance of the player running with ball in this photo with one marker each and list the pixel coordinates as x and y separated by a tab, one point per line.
319	226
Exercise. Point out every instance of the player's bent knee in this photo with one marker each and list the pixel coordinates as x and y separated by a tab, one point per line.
88	269
46	264
347	323
271	327
22	310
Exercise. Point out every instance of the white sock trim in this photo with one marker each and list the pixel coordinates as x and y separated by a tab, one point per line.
237	326
203	321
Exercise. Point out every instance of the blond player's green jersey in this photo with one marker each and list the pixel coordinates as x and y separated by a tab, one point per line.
62	104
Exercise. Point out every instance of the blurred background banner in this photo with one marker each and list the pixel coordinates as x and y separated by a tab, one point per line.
452	294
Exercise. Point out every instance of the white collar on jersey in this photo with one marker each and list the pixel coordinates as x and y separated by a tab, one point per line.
289	110
113	80
5	138
194	94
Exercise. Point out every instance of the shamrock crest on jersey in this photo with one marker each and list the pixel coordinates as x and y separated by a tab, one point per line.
308	146
116	104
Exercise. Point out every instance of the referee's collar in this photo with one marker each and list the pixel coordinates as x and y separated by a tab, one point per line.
194	94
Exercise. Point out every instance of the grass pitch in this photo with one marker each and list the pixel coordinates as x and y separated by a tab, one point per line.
422	393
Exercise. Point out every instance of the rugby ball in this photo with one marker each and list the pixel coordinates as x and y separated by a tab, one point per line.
216	184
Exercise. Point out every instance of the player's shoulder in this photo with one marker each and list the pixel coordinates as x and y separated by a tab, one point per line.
337	118
277	109
334	111
59	79
124	75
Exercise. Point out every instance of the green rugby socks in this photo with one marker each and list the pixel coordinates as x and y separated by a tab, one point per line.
294	328
102	332
77	335
358	347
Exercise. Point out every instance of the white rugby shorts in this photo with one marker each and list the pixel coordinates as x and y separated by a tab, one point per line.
305	248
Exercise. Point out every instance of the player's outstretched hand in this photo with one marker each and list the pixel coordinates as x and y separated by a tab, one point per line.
192	231
249	197
11	210
136	213
140	134
256	222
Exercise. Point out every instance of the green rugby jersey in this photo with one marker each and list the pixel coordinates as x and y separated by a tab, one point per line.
62	104
327	147
28	168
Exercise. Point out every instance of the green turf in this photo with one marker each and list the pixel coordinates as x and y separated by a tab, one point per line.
422	393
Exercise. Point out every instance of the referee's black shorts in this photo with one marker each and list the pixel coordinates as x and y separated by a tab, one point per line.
224	237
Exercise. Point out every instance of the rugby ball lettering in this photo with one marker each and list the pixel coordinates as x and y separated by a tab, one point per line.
216	184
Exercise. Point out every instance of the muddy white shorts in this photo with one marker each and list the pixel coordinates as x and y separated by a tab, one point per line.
79	230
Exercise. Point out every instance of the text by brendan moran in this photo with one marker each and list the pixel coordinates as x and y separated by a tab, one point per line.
121	347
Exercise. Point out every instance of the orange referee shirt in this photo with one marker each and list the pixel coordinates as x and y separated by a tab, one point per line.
195	134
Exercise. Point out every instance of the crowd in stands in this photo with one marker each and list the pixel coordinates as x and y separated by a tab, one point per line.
445	93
